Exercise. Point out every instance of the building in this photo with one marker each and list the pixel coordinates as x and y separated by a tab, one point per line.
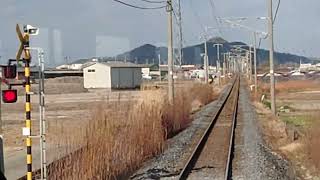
70	67
48	73
77	65
113	75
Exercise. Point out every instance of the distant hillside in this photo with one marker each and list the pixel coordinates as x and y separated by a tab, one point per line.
150	54
145	54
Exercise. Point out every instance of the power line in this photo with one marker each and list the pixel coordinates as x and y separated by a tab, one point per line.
148	1
213	10
195	14
138	7
259	43
275	16
178	23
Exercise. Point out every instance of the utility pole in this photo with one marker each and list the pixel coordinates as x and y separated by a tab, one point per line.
42	120
205	59
272	80
170	52
1	133
159	66
229	62
224	65
180	34
250	64
255	62
218	55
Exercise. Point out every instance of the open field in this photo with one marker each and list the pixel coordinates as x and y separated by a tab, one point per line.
295	132
64	114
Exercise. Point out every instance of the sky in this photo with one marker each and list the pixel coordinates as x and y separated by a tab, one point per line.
83	28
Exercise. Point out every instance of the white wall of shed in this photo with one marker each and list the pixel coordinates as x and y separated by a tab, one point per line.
98	79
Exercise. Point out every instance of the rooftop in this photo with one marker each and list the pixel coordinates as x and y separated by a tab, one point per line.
119	64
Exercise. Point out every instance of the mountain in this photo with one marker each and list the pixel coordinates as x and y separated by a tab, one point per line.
147	54
191	55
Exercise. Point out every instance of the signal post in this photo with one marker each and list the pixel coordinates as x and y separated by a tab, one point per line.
9	95
24	47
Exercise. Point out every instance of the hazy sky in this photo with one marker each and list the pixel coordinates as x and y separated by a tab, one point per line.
86	28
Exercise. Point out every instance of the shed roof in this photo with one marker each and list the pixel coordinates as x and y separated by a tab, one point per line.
118	64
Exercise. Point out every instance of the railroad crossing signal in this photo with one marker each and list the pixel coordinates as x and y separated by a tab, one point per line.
24	47
24	40
9	96
9	72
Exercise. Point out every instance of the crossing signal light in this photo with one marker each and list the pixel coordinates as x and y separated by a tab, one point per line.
9	96
9	72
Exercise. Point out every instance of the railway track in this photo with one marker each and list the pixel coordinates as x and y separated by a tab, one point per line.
212	156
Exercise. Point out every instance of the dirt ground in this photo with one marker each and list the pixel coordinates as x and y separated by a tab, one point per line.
288	133
61	110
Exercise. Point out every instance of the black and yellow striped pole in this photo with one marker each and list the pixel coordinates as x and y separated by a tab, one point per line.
27	60
24	47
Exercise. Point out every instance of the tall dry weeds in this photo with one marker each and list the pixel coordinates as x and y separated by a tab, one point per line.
122	135
290	86
313	141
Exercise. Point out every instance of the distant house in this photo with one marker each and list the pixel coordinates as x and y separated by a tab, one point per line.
70	66
77	65
113	75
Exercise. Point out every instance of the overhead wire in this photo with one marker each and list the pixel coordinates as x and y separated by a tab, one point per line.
259	42
278	6
177	22
177	26
214	10
274	19
139	7
197	18
148	1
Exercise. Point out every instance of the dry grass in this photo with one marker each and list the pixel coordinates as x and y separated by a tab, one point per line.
286	87
313	142
122	135
291	86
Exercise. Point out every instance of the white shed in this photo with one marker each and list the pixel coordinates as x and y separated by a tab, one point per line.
115	75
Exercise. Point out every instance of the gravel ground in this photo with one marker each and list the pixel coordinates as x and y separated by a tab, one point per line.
256	160
169	164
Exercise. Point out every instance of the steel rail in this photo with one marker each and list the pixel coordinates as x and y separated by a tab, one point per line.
198	149
228	173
